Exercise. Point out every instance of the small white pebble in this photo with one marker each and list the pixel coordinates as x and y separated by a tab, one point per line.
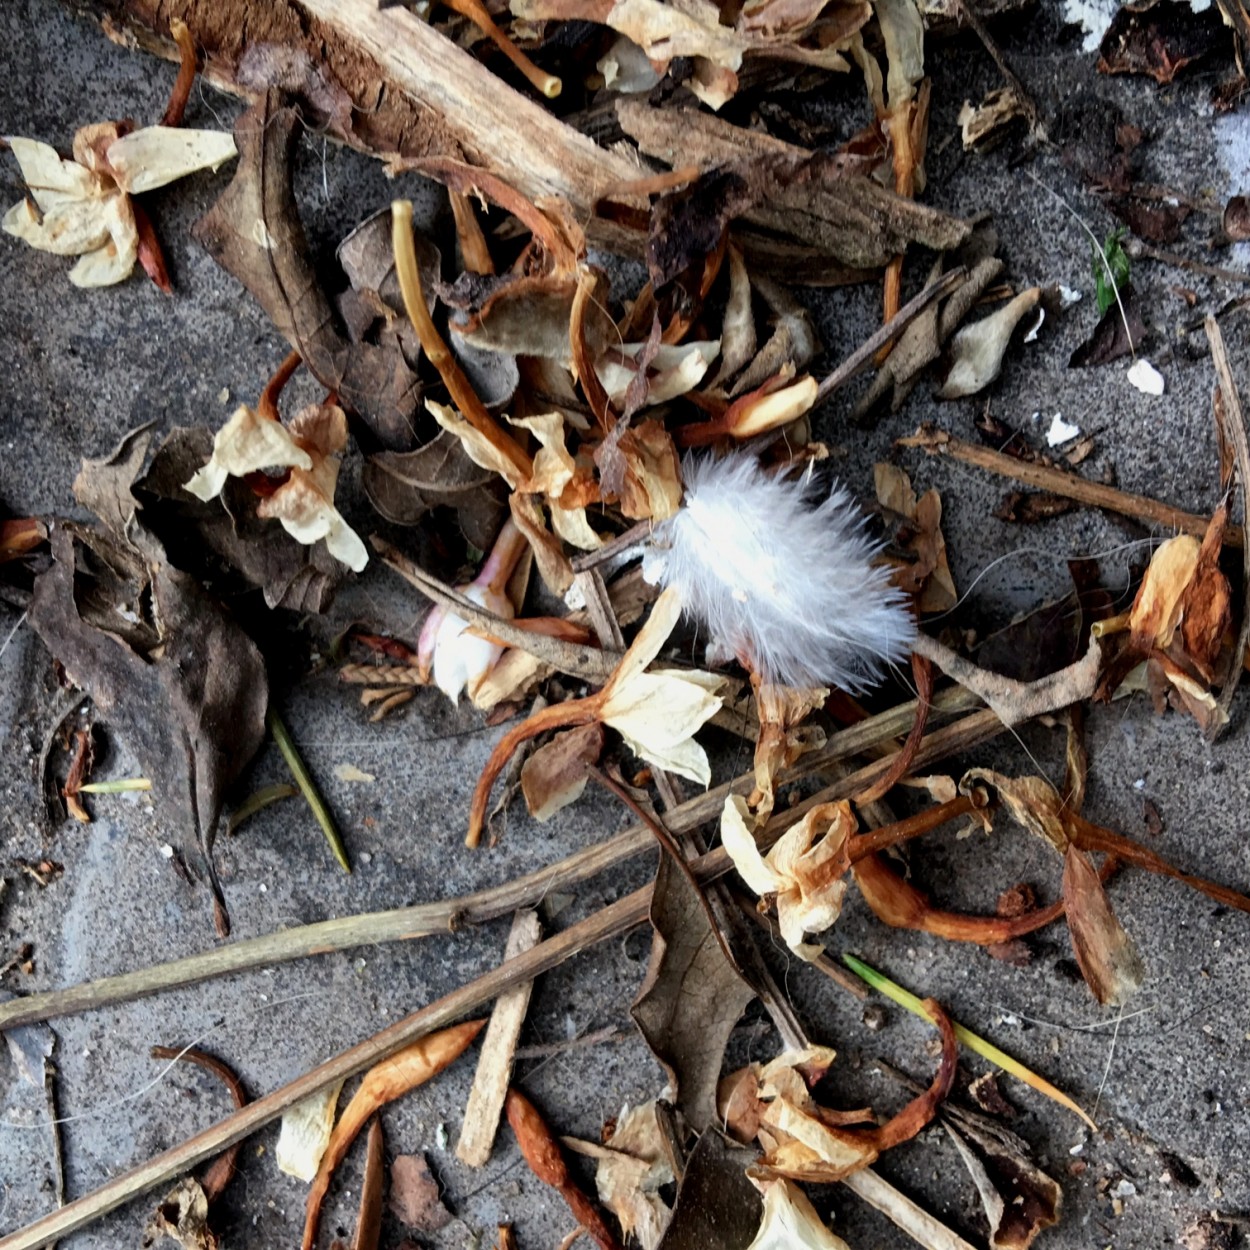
440	1136
264	889
1124	1189
167	850
364	858
1139	784
1077	1149
1146	377
223	395
1061	431
1068	296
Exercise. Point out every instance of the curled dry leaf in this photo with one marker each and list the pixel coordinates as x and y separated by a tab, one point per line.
805	870
790	1221
383	1083
309	449
83	208
978	349
929	575
1119	332
783	738
983	125
631	1172
305	1133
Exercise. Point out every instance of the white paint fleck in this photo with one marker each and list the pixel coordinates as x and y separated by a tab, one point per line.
1146	377
1061	431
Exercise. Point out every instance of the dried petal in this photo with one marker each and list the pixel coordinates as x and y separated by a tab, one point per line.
158	155
305	1133
247	443
790	1221
977	350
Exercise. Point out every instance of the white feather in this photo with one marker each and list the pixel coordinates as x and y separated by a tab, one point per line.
783	579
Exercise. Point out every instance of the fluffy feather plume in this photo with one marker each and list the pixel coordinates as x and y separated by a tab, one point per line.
780	577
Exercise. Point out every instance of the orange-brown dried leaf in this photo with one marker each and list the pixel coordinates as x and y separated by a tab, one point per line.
1206	604
383	1083
542	1152
782	737
1109	961
555	775
79	771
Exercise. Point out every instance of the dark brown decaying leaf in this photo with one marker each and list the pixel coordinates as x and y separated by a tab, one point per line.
691	998
191	703
415	1200
1154	222
104	485
1111	338
404	485
202	537
716	1205
1236	220
1161	39
322	99
369	1216
254	232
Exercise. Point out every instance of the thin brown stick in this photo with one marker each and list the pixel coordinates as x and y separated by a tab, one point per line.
1069	485
1232	420
864	844
544	83
965	11
267	404
473	249
621	543
181	92
458	386
447	915
862	356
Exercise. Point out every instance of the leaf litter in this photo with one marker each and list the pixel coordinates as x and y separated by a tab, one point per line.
520	413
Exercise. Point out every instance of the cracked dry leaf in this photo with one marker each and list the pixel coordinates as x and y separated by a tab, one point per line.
658	712
929	576
790	1221
81	207
977	350
717	1206
308	448
805	870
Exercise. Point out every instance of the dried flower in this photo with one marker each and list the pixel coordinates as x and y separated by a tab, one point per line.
786	583
308	449
82	207
805	870
790	1221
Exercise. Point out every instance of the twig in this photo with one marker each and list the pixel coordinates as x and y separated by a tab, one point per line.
896	1206
308	787
1069	485
1143	251
621	543
1232	420
460	388
544	83
862	356
447	915
1017	701
589	663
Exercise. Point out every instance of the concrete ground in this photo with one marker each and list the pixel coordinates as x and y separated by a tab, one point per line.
1171	1078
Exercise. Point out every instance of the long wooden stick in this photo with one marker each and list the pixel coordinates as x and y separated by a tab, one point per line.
1069	485
447	915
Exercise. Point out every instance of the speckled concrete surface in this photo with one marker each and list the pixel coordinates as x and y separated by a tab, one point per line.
80	369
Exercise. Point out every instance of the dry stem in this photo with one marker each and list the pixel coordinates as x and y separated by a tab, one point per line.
1069	485
461	390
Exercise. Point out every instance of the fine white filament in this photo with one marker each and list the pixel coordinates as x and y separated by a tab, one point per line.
782	576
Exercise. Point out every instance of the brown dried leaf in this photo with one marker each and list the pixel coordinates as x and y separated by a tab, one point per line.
1160	40
555	775
254	232
782	737
1029	507
691	998
20	537
983	125
182	1216
1111	340
717	1206
650	486
415	1198
630	1173
1109	961
1020	1200
191	702
369	1217
404	486
929	577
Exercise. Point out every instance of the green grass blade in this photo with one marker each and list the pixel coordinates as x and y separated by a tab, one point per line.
308	787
